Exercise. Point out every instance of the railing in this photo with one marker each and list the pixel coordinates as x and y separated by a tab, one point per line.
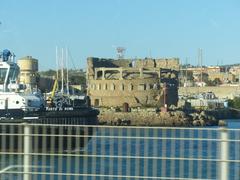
34	151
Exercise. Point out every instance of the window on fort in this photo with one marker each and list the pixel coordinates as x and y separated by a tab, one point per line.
112	74
99	87
141	87
99	74
147	86
150	86
112	87
156	86
105	87
121	87
130	87
96	102
150	75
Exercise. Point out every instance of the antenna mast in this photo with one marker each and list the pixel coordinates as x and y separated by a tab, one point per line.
120	52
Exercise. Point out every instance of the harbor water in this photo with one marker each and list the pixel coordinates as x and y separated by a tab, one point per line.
101	156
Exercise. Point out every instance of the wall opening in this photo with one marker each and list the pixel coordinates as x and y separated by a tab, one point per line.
121	87
112	87
96	102
141	87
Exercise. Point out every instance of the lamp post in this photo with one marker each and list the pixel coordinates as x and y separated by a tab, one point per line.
165	97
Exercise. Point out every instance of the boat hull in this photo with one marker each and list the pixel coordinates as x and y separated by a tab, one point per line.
57	131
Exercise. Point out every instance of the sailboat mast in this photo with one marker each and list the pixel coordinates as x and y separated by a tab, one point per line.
200	64
62	90
67	71
57	66
57	62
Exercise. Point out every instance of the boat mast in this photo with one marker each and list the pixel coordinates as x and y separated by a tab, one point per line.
57	62
62	90
67	71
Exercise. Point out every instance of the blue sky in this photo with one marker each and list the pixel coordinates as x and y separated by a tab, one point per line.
156	28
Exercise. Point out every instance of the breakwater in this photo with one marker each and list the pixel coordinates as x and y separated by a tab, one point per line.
153	117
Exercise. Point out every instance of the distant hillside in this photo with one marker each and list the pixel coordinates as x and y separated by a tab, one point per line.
76	77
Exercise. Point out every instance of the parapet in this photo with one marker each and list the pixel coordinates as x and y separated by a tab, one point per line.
147	63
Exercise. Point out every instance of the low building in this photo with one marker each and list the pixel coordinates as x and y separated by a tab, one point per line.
212	73
141	82
207	100
222	76
235	70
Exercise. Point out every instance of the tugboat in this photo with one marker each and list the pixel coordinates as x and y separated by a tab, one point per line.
19	106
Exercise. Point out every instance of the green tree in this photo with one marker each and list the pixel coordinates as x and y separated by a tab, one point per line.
76	79
235	103
203	76
215	82
48	73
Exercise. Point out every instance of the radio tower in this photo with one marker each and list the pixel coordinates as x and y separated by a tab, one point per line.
120	52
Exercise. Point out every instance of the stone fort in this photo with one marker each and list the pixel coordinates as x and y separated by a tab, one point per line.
139	82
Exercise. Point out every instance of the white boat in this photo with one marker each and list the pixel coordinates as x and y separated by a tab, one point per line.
14	101
17	106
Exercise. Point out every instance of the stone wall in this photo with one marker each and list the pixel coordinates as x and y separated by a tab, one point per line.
138	82
93	62
116	92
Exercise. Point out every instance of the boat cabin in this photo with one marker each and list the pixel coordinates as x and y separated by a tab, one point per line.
9	70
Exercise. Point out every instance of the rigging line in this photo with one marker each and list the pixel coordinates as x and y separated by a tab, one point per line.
71	58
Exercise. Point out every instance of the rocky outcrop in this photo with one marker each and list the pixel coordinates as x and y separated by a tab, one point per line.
153	118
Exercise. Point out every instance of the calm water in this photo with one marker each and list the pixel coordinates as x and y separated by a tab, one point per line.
233	123
139	147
